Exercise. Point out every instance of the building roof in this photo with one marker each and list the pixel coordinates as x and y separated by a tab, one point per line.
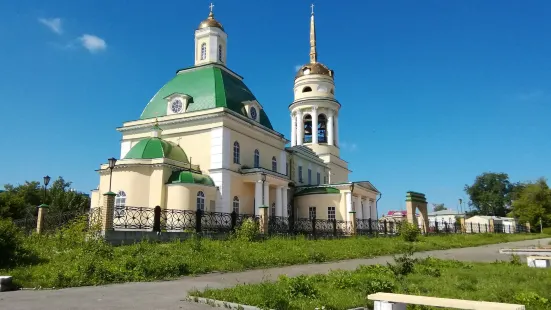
187	177
445	212
151	148
488	217
315	190
209	86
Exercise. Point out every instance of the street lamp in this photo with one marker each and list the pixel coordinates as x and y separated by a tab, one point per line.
460	205
112	162
46	182
263	176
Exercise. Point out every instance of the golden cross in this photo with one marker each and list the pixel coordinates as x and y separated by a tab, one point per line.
211	6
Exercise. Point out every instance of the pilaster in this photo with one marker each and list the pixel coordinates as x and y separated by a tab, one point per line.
293	129
279	201
108	210
330	128
348	199
300	128
314	114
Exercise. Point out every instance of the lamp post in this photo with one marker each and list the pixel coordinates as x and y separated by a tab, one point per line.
46	182
263	176
112	161
460	205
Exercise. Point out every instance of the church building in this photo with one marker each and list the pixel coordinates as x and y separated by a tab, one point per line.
205	142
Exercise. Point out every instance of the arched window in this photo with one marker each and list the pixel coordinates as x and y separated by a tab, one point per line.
120	204
272	210
203	51
322	128
332	91
307	89
236	152
274	164
307	128
200	201
236	204
256	159
220	53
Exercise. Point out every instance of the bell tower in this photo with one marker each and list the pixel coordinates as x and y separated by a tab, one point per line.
210	41
315	111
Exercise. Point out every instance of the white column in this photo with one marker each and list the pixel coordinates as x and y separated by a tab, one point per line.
336	129
348	199
330	128
267	195
284	201
372	210
314	125
257	197
359	208
293	130
279	201
300	128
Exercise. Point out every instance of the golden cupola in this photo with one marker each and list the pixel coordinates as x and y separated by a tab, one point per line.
210	21
314	67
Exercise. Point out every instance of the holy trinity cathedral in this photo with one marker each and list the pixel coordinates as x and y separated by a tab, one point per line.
204	141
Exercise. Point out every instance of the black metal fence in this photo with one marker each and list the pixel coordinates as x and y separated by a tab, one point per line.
51	221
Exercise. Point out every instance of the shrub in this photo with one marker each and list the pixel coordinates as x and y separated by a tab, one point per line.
11	241
248	231
408	231
298	287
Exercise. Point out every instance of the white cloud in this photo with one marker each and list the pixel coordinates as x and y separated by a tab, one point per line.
53	23
93	43
348	146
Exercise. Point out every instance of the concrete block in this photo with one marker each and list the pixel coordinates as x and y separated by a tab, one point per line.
6	283
539	261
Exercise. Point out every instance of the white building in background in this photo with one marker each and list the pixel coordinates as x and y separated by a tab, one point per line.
481	223
449	217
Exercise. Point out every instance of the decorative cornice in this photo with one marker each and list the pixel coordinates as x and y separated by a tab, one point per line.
310	99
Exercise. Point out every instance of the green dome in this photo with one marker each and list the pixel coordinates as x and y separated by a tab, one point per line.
187	177
151	148
209	87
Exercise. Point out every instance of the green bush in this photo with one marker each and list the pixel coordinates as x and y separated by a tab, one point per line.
409	232
248	231
11	243
546	230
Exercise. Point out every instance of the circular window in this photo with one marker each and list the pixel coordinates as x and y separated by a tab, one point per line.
176	106
253	113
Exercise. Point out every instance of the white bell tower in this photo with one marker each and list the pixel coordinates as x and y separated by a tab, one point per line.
315	111
210	41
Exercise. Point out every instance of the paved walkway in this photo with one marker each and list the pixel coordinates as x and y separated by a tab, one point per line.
169	294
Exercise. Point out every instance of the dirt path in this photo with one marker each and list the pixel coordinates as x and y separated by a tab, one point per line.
169	294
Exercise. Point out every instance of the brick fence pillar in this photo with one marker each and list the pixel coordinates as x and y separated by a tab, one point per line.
528	227
491	225
353	223
107	211
263	227
462	224
40	220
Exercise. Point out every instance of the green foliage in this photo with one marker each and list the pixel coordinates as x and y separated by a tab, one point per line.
11	241
491	193
20	201
248	231
75	256
403	265
409	232
438	207
533	203
339	289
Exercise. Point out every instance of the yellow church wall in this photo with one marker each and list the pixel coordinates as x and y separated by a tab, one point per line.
95	201
245	192
322	202
249	141
135	183
297	161
184	196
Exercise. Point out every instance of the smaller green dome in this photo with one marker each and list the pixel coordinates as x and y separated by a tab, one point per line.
188	177
151	148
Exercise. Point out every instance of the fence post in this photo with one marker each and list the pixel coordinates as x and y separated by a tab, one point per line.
386	229
436	226
370	227
352	223
108	211
157	219
492	228
334	227
233	220
42	211
462	224
198	216
528	227
314	226
264	219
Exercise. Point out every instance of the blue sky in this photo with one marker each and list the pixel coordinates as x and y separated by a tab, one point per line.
433	92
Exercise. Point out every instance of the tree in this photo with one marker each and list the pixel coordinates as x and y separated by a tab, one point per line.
22	200
438	207
533	203
491	194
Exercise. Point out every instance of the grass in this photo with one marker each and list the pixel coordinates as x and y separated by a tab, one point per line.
64	259
506	282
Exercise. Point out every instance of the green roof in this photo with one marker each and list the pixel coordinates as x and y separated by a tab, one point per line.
209	87
151	148
316	191
188	177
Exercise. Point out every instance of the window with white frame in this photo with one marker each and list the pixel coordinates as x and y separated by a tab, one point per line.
203	51
200	201
236	152
120	204
331	213
256	159
274	164
312	212
236	204
272	210
300	174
